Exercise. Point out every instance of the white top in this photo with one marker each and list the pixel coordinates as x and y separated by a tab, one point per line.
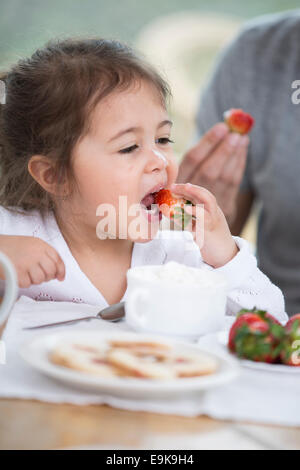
248	286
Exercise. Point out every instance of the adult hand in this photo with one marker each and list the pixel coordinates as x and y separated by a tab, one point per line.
217	162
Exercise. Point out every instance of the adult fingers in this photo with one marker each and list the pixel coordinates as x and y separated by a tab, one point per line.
200	151
233	170
210	170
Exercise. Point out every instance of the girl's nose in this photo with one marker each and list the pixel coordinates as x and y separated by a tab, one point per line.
156	161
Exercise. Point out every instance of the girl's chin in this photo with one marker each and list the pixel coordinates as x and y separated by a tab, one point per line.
147	231
144	240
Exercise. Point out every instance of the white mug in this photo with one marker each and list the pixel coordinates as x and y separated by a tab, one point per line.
11	290
171	308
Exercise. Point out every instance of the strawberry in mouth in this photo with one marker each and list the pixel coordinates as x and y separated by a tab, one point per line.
173	207
169	203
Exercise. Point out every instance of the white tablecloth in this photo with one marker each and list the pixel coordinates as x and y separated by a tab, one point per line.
256	396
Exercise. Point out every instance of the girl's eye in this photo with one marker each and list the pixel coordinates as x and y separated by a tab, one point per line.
164	141
128	149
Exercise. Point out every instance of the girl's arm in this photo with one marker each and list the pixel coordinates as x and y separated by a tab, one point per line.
249	287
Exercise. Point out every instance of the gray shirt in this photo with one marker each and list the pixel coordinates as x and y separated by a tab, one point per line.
256	73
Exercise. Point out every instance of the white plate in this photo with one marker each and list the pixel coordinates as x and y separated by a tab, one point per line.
222	338
36	353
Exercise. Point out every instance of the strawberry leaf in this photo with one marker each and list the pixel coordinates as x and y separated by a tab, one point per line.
277	331
295	326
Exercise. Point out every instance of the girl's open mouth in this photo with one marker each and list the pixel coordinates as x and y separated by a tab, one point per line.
150	208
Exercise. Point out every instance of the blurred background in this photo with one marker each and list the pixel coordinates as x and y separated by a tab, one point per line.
181	37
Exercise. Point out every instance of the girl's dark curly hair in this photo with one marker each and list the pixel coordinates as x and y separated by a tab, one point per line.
49	99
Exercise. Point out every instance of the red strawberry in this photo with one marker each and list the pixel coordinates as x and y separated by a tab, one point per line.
260	313
239	121
290	324
169	204
290	353
256	336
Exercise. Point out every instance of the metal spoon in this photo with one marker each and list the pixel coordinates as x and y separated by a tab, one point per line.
112	313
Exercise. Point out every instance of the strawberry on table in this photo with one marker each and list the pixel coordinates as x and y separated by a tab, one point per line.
290	353
239	121
256	336
294	324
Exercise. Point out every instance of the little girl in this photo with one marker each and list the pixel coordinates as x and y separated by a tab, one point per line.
85	127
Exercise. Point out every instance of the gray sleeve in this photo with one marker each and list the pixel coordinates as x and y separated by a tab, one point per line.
225	90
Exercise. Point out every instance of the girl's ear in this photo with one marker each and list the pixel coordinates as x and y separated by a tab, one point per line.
42	170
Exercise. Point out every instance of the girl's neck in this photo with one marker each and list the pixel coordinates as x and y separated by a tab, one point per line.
82	239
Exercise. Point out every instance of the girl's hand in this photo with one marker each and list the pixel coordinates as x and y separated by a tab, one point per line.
34	260
215	242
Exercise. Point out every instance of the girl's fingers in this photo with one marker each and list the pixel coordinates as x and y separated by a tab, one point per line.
2	273
61	270
24	281
36	274
196	194
49	267
60	265
195	211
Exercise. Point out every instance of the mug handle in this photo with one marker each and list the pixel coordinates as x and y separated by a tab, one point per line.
11	289
135	315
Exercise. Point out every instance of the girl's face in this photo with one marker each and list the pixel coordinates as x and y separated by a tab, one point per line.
125	153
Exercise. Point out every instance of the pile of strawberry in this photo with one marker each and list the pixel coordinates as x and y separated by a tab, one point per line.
258	336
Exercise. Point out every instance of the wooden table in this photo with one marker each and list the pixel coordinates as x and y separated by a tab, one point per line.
36	425
26	424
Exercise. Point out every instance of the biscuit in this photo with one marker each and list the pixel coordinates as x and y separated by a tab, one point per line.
139	359
139	365
193	365
84	359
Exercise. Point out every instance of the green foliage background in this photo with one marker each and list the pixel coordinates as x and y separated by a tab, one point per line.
27	24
